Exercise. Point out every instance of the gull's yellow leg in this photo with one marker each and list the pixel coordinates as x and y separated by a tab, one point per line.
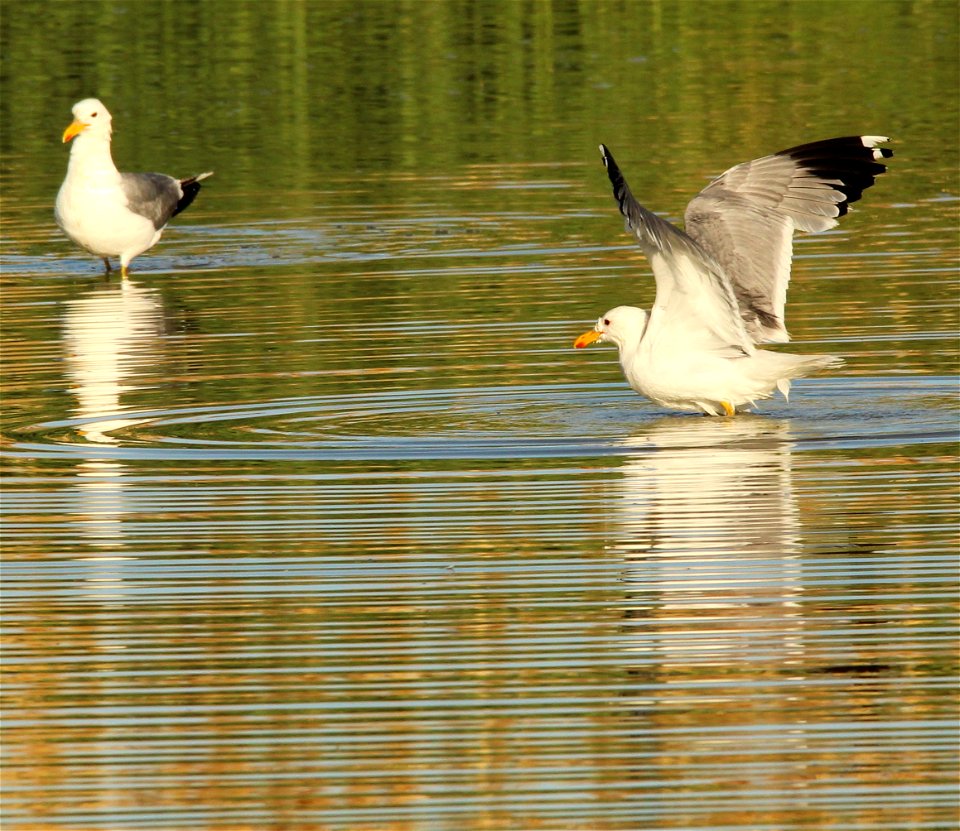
123	272
728	408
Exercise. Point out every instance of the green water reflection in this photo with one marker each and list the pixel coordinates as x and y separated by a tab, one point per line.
284	94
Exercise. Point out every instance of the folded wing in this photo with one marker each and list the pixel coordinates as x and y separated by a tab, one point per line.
159	197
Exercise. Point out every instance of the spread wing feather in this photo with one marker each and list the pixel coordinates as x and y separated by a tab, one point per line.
746	217
694	299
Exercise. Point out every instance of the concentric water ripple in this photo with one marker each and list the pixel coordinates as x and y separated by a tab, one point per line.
496	422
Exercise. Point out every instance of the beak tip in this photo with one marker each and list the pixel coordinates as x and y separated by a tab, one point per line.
72	131
586	339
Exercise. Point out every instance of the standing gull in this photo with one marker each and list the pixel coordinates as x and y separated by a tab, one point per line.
109	213
722	284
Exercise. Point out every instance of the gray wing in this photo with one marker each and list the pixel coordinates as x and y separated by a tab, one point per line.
695	300
159	197
746	217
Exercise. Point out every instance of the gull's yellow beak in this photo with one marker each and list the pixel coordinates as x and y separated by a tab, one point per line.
586	339
73	130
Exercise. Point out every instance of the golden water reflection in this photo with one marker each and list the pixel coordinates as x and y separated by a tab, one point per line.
688	656
729	611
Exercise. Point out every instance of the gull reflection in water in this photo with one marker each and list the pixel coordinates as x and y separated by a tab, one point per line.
111	338
706	520
704	485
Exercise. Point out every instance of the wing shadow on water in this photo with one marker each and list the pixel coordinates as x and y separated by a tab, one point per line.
112	339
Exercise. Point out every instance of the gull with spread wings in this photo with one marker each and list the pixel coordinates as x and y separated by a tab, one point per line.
722	282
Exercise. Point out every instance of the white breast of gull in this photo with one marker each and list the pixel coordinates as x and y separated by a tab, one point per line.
721	285
109	213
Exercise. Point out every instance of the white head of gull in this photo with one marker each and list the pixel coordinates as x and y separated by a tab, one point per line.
722	283
109	213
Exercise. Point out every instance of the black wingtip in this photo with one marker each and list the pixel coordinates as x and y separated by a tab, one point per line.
621	191
190	188
853	161
613	171
607	157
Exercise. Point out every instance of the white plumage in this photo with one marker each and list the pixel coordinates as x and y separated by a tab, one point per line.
722	284
109	213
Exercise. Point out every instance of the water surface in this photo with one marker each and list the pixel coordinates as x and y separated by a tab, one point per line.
318	521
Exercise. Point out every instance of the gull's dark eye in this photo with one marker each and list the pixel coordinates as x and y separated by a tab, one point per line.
93	115
606	321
